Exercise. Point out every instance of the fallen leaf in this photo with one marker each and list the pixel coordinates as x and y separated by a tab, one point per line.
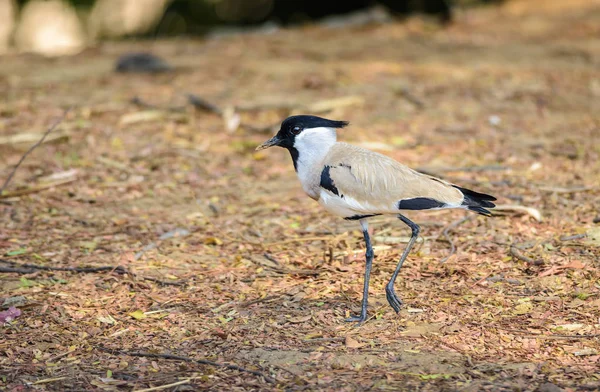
593	236
138	315
353	343
213	241
555	269
523	308
107	320
585	351
9	315
18	300
575	264
569	327
179	232
302	319
17	252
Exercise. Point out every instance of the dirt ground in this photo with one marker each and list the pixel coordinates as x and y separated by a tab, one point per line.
220	255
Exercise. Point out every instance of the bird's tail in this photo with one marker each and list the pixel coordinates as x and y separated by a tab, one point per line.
478	202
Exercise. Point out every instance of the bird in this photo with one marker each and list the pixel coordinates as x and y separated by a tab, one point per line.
356	184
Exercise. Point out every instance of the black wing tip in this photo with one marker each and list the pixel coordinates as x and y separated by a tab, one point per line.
477	202
475	195
480	210
485	203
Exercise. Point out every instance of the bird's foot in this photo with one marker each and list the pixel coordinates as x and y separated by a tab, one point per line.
357	319
392	298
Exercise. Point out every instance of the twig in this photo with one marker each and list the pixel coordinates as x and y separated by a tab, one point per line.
281	270
47	380
568	190
33	267
54	358
194	100
186	359
30	268
336	339
166	386
516	252
270	257
15	270
560	337
447	236
202	104
301	239
406	94
116	165
163	282
143	104
35	189
50	129
480	280
268	298
572	237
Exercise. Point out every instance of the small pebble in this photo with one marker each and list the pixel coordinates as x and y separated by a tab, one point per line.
141	63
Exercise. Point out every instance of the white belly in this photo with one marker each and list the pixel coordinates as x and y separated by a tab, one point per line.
347	206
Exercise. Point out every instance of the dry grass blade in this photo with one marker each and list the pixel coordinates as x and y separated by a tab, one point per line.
30	268
166	386
35	189
48	380
533	212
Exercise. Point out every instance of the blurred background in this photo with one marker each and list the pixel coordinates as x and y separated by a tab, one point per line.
55	27
154	169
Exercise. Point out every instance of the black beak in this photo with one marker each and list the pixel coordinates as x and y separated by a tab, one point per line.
274	141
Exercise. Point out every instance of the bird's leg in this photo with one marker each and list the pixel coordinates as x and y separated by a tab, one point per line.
393	300
369	262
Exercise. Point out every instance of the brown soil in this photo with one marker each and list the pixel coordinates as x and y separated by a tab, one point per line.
505	101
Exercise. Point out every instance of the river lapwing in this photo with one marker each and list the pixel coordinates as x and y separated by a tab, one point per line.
356	184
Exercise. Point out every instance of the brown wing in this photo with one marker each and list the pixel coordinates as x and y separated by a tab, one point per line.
381	182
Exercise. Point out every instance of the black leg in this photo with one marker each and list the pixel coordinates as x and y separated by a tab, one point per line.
369	263
391	296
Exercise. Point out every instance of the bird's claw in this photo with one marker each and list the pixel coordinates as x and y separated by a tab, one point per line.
356	319
392	298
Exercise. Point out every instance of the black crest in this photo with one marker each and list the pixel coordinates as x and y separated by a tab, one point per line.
294	125
303	122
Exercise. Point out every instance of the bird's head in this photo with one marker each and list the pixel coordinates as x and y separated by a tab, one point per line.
303	129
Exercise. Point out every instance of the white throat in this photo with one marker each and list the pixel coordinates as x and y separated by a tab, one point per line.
313	145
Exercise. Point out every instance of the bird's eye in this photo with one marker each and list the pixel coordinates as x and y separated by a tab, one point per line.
296	130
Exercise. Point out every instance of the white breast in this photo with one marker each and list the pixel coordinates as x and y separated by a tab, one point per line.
307	178
312	144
